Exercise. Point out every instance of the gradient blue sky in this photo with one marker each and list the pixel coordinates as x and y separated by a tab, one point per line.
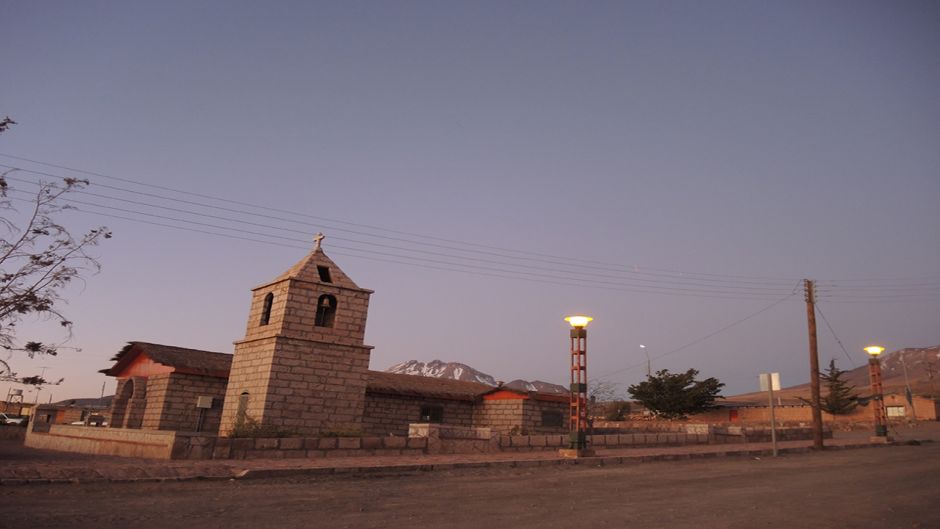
781	140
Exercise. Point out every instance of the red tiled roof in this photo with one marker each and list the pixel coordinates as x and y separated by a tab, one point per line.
191	361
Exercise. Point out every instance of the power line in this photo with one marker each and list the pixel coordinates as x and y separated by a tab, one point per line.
648	282
619	266
834	335
372	258
712	285
707	336
744	292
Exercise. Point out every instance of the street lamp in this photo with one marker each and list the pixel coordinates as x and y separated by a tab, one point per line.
578	424
649	365
874	375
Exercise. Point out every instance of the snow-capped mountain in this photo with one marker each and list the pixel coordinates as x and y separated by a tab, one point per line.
438	369
537	386
458	371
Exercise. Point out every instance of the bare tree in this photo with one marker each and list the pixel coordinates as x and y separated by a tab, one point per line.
39	258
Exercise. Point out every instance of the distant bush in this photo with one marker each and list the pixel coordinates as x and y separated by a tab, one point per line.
251	428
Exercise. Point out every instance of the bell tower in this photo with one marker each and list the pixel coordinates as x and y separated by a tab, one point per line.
302	366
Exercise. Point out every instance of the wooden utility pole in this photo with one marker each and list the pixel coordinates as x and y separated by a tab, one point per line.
809	286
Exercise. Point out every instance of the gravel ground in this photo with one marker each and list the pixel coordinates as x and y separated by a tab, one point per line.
883	488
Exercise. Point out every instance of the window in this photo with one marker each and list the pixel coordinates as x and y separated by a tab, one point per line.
553	418
432	413
324	272
266	309
895	411
241	414
326	311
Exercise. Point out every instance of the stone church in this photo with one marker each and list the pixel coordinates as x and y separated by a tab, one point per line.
302	369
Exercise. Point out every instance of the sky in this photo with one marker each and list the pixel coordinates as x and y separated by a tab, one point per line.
673	169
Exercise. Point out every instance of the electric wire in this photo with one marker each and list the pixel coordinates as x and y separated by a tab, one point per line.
372	258
834	335
721	286
705	337
745	292
619	266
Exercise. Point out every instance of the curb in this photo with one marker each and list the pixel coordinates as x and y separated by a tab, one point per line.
598	461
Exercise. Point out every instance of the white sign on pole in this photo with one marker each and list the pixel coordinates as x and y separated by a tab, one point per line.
773	383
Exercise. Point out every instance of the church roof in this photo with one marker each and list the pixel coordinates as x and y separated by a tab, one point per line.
308	269
94	402
192	361
418	386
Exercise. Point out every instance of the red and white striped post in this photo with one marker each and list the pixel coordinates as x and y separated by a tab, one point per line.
578	419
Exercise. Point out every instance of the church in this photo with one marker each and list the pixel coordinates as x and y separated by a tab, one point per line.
302	369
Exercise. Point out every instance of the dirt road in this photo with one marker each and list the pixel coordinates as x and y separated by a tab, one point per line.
897	487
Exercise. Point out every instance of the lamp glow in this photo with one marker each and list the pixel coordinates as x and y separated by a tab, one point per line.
579	321
874	350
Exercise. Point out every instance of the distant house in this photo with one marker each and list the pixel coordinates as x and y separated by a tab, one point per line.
798	411
92	411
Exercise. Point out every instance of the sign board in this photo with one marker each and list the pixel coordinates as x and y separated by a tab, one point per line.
774	381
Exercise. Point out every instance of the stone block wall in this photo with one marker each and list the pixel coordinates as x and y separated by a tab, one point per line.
172	402
298	386
533	416
518	416
313	447
251	373
502	416
391	414
294	310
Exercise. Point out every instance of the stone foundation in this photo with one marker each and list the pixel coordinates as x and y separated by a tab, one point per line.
423	438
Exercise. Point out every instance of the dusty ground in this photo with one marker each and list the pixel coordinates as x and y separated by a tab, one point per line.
894	487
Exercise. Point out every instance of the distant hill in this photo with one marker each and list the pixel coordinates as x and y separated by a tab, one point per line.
458	371
923	371
538	386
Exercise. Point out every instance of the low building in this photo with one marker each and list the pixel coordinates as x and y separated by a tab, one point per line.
92	411
798	411
162	387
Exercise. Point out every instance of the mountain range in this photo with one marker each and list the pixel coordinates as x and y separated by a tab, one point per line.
458	371
923	374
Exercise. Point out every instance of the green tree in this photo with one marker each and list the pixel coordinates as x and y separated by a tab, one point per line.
841	398
676	395
39	258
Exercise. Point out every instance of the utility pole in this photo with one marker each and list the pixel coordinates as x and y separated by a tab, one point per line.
908	394
809	286
930	379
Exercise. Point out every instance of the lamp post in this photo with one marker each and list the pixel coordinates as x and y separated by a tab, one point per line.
577	423
649	365
877	391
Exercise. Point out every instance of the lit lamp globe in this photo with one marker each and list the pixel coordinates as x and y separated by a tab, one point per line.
579	322
874	350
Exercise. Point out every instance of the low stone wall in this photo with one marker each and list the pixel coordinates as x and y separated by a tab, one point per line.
449	439
423	439
527	443
154	444
303	447
740	434
12	432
